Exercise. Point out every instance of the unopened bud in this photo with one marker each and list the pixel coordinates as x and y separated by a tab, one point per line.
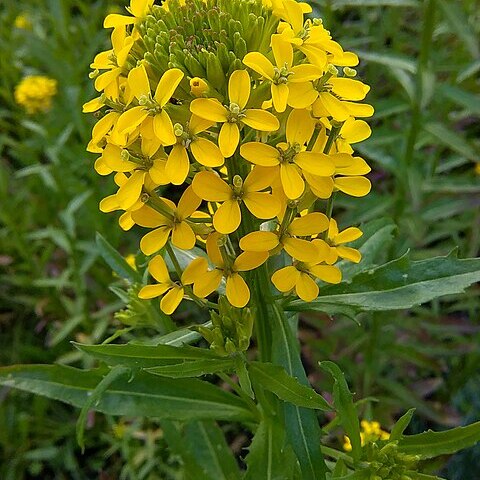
198	86
237	182
93	74
332	69
178	130
349	72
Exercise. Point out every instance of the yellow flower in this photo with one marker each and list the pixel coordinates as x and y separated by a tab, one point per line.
353	131
301	277
172	292
283	74
198	87
23	22
235	114
290	159
138	8
207	281
371	432
35	93
171	222
139	86
210	187
299	248
203	150
336	239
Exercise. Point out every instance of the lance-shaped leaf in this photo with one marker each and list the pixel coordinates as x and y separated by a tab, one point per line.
146	356
343	401
401	425
433	444
142	395
275	379
195	368
399	284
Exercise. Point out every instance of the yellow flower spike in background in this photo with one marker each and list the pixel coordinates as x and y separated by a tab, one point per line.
197	119
371	432
235	113
35	93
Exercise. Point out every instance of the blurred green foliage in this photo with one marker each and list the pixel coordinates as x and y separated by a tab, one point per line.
421	58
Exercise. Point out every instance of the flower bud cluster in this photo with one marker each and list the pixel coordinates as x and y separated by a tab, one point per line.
250	111
35	93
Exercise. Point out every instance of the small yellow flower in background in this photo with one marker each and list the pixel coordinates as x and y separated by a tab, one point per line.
477	168
131	260
371	432
23	22
261	127
35	93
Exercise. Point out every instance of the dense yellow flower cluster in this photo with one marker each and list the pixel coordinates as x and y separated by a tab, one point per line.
371	432
250	111
35	93
23	22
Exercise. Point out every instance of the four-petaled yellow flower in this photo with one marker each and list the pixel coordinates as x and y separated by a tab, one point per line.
291	160
227	218
235	113
336	239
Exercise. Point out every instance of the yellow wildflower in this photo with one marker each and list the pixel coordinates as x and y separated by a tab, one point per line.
138	8
35	93
23	22
235	114
371	432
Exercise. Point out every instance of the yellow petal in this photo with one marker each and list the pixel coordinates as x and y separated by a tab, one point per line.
197	124
354	131
228	217
262	205
359	109
332	229
112	158
345	164
315	163
109	204
348	235
306	287
228	139
348	88
322	187
152	291
285	279
153	241
258	179
302	250
354	186
260	154
101	167
292	183
125	221
310	224
171	300
178	165
207	283
333	106
300	127
209	109
157	172
301	95
238	293
259	241
115	20
149	218
239	88
167	85
188	203
279	97
183	236
93	105
131	119
206	153
247	261
327	273
305	73
211	187
261	120
163	128
158	269
259	63
138	82
130	192
195	270
213	250
282	51
349	254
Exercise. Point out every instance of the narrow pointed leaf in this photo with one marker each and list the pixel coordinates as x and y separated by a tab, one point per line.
195	368
401	425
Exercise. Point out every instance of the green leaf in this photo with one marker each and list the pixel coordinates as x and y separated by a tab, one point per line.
401	425
460	25
466	99
268	459
142	395
343	401
388	60
433	444
203	449
374	3
116	262
422	476
397	285
275	379
194	368
452	140
146	356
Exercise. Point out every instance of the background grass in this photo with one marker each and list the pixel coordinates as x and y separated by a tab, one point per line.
422	60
